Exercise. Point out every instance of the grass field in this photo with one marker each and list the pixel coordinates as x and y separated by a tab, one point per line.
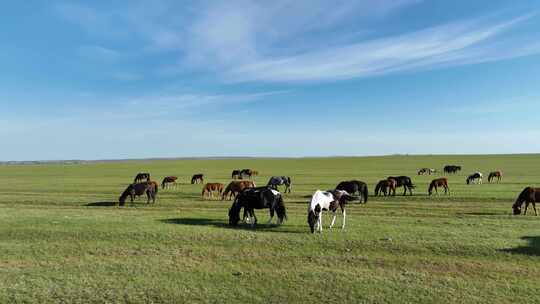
63	239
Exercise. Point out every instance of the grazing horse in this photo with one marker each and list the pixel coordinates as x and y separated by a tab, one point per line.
404	181
197	178
209	189
236	174
495	174
169	181
386	186
235	187
257	198
327	200
276	181
439	182
141	177
254	172
475	178
354	186
451	169
246	172
528	195
138	189
427	171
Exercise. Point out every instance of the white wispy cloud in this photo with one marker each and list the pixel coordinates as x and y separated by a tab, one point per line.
457	43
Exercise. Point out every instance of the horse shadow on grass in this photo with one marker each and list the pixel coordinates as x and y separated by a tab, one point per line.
532	248
221	224
102	204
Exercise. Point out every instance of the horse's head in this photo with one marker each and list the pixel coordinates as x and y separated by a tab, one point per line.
468	180
313	217
516	210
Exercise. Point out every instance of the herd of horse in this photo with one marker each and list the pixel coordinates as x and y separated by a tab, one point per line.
247	196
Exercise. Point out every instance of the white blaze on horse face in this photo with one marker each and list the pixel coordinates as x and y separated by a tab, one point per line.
276	193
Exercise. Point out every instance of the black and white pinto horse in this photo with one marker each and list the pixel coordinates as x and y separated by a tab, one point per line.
327	200
354	186
475	178
257	198
276	181
403	181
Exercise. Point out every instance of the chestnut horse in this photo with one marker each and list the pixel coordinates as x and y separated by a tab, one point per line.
528	195
138	189
169	181
439	182
209	189
495	174
235	187
386	186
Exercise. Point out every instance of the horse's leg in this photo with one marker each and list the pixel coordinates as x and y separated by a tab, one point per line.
534	207
344	216
271	216
252	211
320	222
334	213
526	206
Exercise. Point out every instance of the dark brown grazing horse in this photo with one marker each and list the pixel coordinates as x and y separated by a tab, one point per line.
439	182
386	187
246	172
235	187
495	174
236	174
138	189
141	177
197	178
528	195
169	181
209	189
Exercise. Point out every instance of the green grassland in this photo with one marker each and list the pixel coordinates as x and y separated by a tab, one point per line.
64	240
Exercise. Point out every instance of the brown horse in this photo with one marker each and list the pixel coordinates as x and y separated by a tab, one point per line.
439	182
495	174
197	178
235	187
169	181
209	189
528	195
138	189
386	186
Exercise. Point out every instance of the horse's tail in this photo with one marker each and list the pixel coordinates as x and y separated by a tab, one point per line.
365	193
156	186
234	213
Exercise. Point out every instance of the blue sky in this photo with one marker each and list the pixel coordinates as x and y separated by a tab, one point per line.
130	79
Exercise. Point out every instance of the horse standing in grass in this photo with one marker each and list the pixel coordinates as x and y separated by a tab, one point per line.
327	200
197	179
475	178
439	182
451	169
210	188
529	195
427	171
257	198
495	174
236	174
246	173
141	177
405	182
168	182
276	181
354	186
235	187
138	189
386	187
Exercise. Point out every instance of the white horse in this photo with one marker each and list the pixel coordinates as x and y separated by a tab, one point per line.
327	200
476	178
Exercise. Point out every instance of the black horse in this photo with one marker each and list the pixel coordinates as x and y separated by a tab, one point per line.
276	181
197	178
140	177
257	198
451	169
354	186
138	189
403	181
246	173
236	174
